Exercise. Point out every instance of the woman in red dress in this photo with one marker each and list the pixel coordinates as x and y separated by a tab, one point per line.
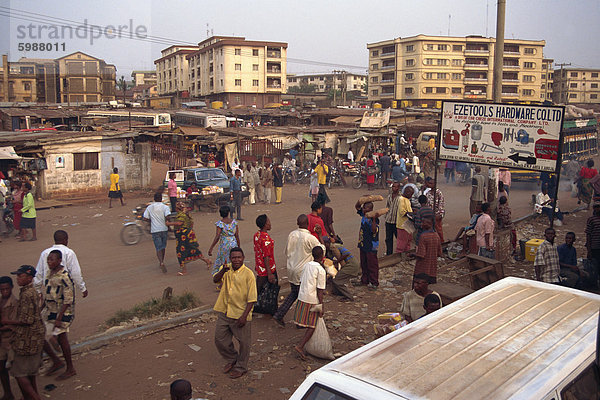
585	188
17	195
370	172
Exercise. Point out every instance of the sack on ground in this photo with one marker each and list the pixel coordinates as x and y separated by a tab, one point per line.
319	344
266	302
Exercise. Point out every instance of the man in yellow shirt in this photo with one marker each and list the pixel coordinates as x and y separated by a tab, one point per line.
322	170
404	207
234	310
431	143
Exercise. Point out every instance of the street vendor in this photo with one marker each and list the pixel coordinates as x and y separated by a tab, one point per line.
193	196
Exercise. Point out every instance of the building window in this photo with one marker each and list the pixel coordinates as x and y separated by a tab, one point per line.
456	47
543	76
238	99
312	79
456	90
238	67
442	47
457	62
428	61
456	77
83	161
441	90
408	90
573	96
238	52
428	75
255	52
428	90
593	96
374	92
442	61
27	85
574	74
255	68
238	82
374	79
528	65
375	67
410	47
321	87
528	78
527	92
428	47
410	63
529	50
442	76
255	82
594	86
375	53
221	82
573	85
409	77
594	74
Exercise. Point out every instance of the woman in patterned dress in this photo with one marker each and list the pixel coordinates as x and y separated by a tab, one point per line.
187	245
227	235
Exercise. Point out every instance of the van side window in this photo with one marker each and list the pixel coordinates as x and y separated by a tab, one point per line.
586	386
190	176
320	392
202	175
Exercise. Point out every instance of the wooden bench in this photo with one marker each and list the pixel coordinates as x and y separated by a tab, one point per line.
450	292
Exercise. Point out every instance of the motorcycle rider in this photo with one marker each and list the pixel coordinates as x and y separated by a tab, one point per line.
289	166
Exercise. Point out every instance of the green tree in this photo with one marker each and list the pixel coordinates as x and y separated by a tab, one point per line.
303	89
122	85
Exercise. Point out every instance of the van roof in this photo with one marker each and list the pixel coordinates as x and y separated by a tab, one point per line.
507	340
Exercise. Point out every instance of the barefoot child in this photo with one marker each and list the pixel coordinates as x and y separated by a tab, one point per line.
59	302
309	306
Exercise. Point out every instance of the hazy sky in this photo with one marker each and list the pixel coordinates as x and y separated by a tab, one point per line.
334	32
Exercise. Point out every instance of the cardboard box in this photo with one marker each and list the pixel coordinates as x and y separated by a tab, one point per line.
531	248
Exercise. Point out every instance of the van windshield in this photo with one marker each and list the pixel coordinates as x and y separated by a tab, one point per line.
320	392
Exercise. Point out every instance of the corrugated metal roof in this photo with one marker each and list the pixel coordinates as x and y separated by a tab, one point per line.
505	341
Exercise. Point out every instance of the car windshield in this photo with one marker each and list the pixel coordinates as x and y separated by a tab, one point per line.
202	175
218	174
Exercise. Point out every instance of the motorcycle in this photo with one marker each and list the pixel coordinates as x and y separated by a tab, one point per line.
360	178
134	229
303	176
335	178
288	175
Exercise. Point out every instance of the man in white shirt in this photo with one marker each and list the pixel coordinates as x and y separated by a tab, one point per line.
298	252
543	205
309	306
157	214
350	155
69	261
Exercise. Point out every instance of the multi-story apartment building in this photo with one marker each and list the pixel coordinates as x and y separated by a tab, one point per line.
29	80
143	78
547	79
576	85
323	83
172	75
422	70
237	71
84	78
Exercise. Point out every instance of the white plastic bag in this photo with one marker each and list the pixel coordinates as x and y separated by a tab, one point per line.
319	344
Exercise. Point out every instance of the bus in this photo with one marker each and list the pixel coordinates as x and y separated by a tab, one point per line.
149	119
580	143
196	118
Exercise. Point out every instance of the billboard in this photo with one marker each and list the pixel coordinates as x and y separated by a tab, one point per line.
501	135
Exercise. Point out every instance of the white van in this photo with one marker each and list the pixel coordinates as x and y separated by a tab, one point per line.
514	339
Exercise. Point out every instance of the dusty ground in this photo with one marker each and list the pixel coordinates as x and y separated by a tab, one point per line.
120	276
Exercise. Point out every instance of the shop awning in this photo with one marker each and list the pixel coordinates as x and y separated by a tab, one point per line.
8	153
195	131
345	119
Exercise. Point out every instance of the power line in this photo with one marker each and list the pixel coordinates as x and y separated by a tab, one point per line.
46	19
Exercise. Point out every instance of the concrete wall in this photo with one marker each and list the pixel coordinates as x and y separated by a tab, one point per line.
134	169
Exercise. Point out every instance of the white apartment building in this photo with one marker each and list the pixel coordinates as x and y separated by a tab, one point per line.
172	73
237	71
422	70
576	85
323	83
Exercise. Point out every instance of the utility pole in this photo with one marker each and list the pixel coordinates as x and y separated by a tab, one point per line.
561	65
499	52
333	86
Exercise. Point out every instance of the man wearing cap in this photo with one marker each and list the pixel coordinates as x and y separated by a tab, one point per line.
29	332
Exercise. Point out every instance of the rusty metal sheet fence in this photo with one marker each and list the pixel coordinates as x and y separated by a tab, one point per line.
261	149
171	155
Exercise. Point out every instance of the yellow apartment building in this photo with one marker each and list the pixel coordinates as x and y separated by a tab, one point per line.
172	75
86	79
423	70
547	79
576	85
237	71
143	78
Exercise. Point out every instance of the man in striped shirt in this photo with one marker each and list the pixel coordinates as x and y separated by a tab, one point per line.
546	264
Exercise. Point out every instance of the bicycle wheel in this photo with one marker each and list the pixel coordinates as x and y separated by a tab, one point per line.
131	234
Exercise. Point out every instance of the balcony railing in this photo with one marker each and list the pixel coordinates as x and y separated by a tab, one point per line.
393	53
476	94
387	94
273	86
512	52
469	79
387	80
273	54
478	51
478	66
510	94
509	80
274	71
510	66
388	67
